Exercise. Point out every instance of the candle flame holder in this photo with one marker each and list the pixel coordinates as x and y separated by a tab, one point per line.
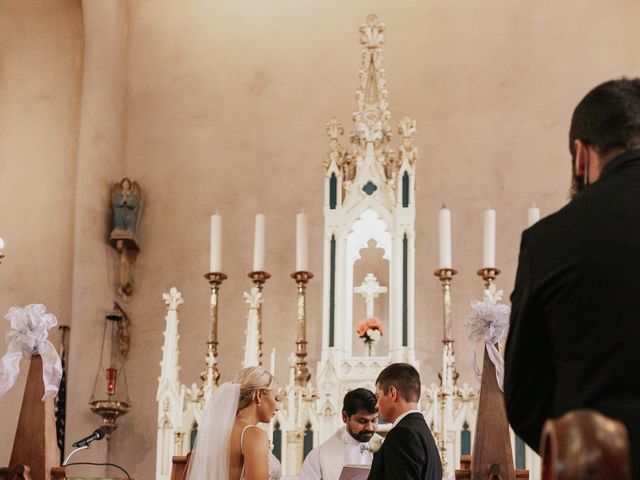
489	275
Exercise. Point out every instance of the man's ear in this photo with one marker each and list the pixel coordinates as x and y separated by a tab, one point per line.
582	156
393	393
345	417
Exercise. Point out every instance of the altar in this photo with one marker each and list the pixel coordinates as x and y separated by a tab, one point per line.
368	297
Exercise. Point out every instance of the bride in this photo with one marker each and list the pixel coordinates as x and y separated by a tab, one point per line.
229	445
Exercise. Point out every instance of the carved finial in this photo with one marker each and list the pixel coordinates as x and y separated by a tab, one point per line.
407	127
371	31
254	297
335	152
334	129
173	298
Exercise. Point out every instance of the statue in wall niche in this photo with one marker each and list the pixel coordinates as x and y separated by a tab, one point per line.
126	204
126	201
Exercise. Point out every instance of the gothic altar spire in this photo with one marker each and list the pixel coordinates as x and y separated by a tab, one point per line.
370	166
369	197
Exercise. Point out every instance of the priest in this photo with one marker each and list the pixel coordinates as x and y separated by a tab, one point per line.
351	444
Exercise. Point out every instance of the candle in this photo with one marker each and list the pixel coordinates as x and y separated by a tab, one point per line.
302	247
258	245
273	362
533	215
1	244
216	244
445	237
489	243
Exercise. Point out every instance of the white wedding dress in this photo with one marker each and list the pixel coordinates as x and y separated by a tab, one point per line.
210	457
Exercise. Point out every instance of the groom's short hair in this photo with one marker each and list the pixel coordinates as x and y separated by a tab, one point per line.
404	377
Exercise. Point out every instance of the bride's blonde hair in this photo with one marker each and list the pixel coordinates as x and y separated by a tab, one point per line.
252	380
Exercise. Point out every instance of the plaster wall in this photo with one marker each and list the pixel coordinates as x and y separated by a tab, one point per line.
223	110
40	87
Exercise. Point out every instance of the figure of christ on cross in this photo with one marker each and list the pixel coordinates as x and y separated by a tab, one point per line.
370	290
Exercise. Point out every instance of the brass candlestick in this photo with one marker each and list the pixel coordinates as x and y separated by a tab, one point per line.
259	279
488	274
211	375
448	375
302	374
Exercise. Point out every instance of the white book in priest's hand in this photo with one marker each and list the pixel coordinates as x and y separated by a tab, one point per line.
355	472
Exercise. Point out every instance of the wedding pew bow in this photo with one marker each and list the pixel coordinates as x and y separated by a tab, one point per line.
489	322
28	335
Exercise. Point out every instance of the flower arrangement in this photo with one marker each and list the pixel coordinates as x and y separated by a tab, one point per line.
370	330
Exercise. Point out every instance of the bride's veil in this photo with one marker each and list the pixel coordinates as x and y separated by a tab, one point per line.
210	456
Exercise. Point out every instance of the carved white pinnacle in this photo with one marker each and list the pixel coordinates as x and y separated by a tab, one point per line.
371	32
173	298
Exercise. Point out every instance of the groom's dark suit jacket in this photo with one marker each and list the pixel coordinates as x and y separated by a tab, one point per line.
407	453
574	340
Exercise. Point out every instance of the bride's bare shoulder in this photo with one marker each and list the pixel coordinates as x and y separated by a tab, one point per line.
254	437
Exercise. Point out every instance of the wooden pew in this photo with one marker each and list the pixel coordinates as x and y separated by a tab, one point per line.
492	457
35	453
585	445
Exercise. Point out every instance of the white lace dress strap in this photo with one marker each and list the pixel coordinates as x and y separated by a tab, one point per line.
242	438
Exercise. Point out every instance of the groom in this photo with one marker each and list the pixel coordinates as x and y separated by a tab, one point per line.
408	452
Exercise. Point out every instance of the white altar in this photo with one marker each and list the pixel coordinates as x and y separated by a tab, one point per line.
368	273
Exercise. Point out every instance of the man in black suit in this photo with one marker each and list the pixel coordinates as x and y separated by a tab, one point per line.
574	339
408	451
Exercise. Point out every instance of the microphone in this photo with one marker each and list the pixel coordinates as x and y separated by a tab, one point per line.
97	435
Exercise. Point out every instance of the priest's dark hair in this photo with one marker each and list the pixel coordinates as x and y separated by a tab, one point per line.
359	399
404	377
608	117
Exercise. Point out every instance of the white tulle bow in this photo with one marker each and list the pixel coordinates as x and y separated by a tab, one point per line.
28	335
488	322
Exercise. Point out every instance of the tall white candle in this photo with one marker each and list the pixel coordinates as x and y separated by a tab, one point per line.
215	264
444	221
273	362
258	244
1	244
533	215
302	246
489	239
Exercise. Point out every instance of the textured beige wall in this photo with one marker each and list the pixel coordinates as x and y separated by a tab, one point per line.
40	85
224	110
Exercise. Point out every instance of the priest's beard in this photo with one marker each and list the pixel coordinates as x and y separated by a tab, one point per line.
577	186
362	436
